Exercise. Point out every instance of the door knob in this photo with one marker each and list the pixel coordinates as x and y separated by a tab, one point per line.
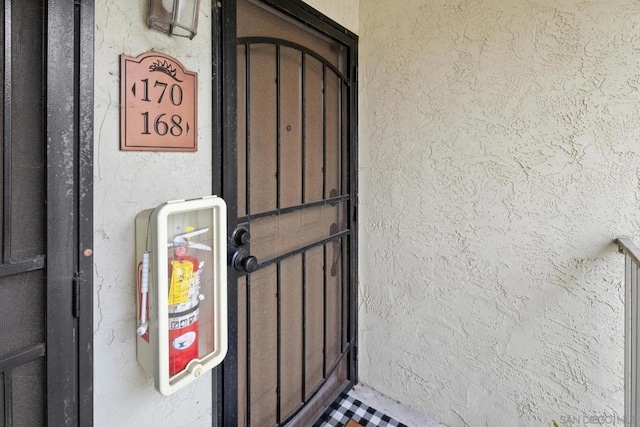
242	261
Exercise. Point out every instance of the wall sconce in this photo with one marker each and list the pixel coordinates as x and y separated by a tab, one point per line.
174	17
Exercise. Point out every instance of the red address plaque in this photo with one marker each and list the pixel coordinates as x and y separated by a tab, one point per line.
158	104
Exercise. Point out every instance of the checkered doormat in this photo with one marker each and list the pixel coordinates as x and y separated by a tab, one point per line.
347	411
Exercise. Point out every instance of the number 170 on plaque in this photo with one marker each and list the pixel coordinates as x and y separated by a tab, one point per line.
158	101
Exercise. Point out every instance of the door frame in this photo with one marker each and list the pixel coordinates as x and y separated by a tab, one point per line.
69	27
225	386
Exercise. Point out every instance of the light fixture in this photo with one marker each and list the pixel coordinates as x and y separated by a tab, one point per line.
174	17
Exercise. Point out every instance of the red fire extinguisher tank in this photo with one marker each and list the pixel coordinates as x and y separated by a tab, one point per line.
184	302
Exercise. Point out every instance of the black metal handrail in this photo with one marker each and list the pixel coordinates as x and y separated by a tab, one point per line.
631	331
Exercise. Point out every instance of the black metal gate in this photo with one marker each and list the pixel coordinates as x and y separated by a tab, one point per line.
46	221
290	183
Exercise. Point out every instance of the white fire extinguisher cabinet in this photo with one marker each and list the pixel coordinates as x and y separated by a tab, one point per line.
182	290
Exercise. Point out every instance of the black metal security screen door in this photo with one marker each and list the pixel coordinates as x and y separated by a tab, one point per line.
292	226
45	213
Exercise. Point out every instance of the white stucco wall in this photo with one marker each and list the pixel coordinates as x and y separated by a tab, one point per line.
344	12
499	158
127	183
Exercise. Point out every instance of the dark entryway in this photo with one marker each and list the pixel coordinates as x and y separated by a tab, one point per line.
46	214
289	178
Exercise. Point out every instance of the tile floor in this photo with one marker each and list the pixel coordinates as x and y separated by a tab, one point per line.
367	407
351	412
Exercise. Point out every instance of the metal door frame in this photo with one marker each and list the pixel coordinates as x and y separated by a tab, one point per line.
68	92
224	121
69	28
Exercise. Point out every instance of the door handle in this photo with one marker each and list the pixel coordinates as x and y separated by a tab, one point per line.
242	261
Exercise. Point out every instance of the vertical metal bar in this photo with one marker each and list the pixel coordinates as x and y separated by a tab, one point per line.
3	405
341	277
247	94
304	328
6	376
343	213
8	398
6	172
340	138
304	125
248	349
76	125
226	74
634	341
216	117
324	131
61	246
279	341
324	311
627	338
635	349
278	117
85	20
352	251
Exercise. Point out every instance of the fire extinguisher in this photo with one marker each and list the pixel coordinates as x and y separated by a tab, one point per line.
184	300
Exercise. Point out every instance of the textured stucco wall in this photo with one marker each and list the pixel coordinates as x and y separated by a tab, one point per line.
344	12
499	157
127	183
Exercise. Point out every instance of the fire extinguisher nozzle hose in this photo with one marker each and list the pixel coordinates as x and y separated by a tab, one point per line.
144	291
142	328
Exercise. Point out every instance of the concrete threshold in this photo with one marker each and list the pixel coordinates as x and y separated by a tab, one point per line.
391	407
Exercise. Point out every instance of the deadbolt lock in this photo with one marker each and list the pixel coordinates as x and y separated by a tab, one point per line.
241	236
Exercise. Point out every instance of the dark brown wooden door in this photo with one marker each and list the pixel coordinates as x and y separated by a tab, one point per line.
293	214
45	344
